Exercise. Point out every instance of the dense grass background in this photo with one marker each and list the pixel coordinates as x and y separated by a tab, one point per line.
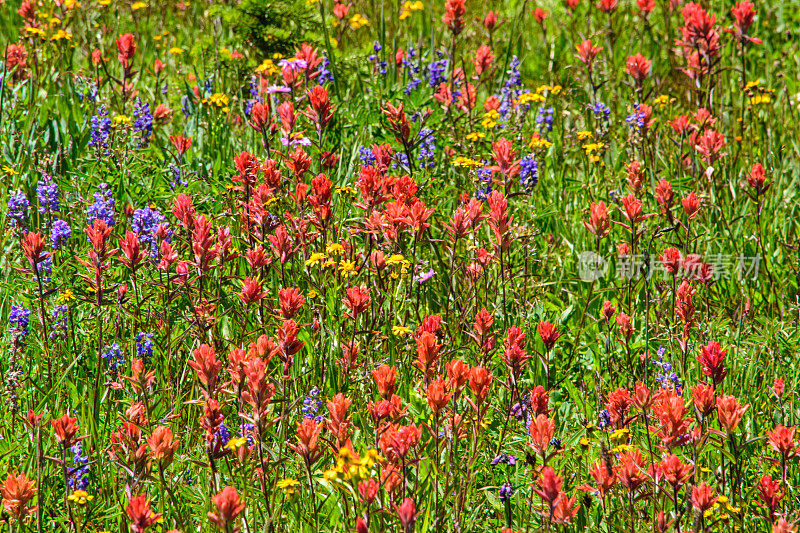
45	125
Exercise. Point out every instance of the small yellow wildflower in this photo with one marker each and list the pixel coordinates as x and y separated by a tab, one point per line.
462	161
396	259
371	457
61	34
475	135
289	486
345	190
268	67
583	135
219	100
400	331
121	120
34	31
176	51
584	442
347	268
80	497
410	7
528	98
138	5
332	475
358	21
620	434
760	99
235	444
316	259
622	448
312	294
539	142
335	248
66	296
661	100
9	170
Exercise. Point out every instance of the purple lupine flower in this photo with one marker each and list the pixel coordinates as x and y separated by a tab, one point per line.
143	122
145	223
529	172
114	356
59	233
101	129
103	206
47	191
18	209
18	320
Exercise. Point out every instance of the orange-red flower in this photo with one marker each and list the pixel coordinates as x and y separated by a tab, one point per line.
141	514
541	430
228	505
730	412
17	491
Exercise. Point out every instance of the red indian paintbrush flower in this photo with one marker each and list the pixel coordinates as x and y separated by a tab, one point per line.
703	497
541	430
514	354
162	445
618	404
438	396
604	478
730	412
599	223
141	514
126	46
385	377
228	505
675	471
703	398
630	470
540	15
587	53
548	486
757	179
781	439
308	440
480	380
181	143
357	300
607	6
207	366
638	67
549	334
770	493
17	491
712	359
407	513
453	17
65	429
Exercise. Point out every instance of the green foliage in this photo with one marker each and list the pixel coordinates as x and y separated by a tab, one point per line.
272	27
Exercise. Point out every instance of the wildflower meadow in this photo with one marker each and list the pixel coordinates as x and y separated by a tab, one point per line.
400	266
